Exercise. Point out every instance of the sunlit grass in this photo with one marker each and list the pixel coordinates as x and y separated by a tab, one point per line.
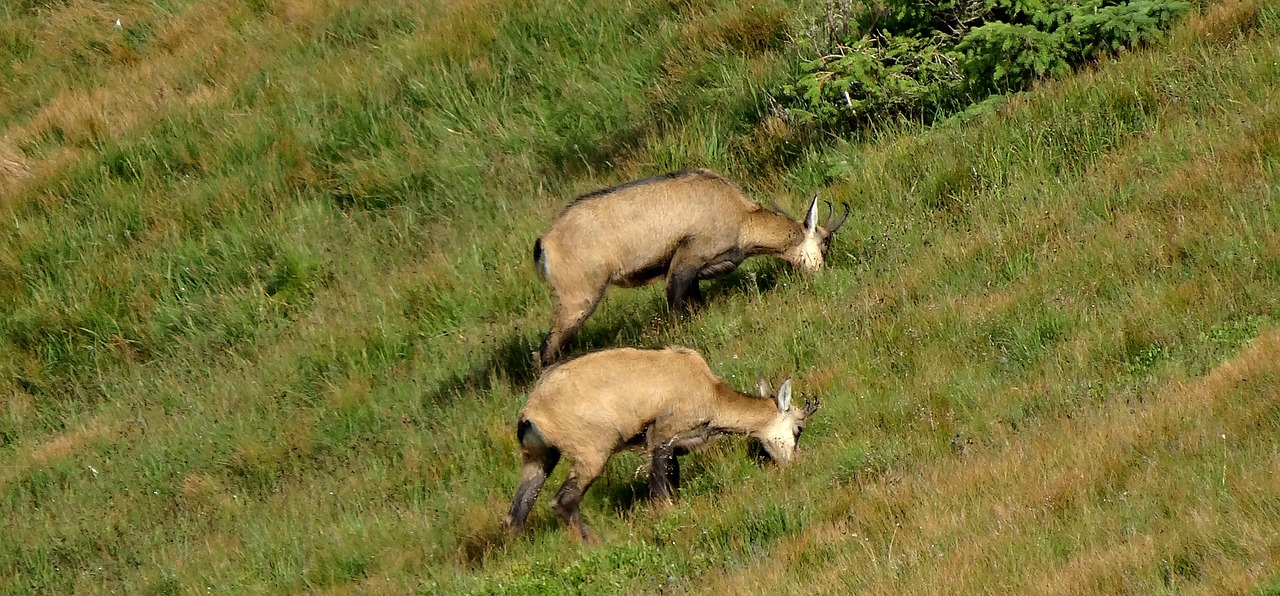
266	307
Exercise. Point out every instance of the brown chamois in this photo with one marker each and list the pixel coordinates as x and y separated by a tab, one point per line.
681	227
665	402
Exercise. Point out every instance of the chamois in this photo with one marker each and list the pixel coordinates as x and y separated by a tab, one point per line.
664	402
683	227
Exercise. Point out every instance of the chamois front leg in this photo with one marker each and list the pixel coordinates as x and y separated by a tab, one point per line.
682	279
673	472
683	294
687	268
661	471
694	299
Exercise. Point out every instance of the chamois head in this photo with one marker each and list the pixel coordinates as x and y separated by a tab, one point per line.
810	254
781	437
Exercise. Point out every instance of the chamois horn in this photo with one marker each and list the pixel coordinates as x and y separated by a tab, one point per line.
811	405
831	215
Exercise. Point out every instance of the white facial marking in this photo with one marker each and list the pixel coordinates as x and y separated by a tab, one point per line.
808	255
780	439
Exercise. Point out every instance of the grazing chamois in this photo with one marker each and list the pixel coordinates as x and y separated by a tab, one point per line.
665	402
683	227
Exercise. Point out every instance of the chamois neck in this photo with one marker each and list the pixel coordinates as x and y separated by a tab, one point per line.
766	232
741	413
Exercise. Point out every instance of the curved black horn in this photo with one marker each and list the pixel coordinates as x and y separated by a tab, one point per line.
831	229
811	405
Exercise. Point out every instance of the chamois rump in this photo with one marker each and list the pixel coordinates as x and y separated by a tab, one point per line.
684	227
664	402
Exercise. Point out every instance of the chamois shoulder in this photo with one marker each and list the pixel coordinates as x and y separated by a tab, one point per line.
688	353
694	360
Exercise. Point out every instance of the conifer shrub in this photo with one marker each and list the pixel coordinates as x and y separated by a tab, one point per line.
920	59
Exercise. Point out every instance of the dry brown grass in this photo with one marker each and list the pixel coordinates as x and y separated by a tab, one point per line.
13	168
205	56
1225	19
200	45
68	443
1052	510
56	449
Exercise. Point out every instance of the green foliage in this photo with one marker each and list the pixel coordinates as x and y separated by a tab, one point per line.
1001	56
266	301
927	59
888	74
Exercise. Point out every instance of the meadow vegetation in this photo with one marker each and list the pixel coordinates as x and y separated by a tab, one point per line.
267	305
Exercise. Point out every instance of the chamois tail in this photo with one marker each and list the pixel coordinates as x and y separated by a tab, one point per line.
528	435
540	258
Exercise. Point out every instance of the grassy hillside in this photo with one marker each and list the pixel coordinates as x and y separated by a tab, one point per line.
266	306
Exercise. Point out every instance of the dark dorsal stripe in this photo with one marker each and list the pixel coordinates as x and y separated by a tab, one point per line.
595	194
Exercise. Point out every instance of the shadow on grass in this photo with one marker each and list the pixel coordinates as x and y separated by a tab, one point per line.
477	546
613	496
759	278
622	497
511	357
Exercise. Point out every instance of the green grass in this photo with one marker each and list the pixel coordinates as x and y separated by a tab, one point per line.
266	306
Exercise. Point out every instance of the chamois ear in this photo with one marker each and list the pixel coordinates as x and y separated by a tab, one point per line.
784	396
811	218
762	386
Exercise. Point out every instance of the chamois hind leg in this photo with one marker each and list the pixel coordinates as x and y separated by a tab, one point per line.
538	464
569	497
571	309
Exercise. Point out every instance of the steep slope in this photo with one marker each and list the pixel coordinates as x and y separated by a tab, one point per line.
266	306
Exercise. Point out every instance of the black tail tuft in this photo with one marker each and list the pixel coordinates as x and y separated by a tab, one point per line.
522	428
530	437
540	259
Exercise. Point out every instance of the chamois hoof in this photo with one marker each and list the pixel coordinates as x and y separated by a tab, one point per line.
587	536
512	529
